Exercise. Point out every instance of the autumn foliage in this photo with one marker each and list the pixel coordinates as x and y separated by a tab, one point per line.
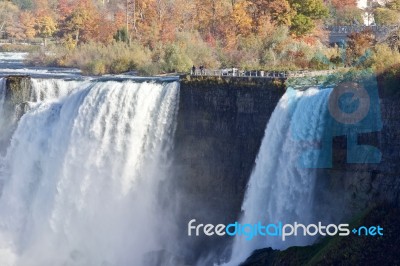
342	4
154	21
175	34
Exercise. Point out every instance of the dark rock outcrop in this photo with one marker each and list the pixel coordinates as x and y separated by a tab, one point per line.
221	123
17	93
18	89
354	187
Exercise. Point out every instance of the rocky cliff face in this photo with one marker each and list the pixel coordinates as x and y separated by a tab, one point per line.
18	89
385	182
220	127
221	123
351	188
17	92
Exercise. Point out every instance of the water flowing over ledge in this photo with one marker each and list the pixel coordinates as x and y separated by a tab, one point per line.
280	189
82	157
219	131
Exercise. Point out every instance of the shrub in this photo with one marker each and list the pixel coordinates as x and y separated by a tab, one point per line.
319	62
120	65
94	68
384	58
19	48
151	68
44	58
197	50
95	58
176	60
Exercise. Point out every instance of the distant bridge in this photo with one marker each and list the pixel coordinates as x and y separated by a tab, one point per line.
339	34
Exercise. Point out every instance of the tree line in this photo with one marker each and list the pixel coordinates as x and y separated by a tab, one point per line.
178	33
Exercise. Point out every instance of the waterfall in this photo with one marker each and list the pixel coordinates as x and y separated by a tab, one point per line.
280	189
2	96
4	123
39	91
84	173
52	89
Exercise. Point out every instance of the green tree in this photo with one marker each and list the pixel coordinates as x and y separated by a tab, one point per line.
301	25
307	11
121	35
314	9
176	60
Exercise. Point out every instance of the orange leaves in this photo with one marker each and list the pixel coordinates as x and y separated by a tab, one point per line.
243	21
119	19
42	7
255	16
358	44
221	24
82	22
28	22
342	4
281	12
64	8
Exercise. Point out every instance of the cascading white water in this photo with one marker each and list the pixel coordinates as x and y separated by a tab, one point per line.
40	90
82	176
280	189
51	89
3	122
2	95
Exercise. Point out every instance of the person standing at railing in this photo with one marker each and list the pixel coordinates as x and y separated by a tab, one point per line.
193	70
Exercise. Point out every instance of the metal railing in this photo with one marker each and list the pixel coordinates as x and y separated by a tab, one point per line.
346	29
260	74
22	42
